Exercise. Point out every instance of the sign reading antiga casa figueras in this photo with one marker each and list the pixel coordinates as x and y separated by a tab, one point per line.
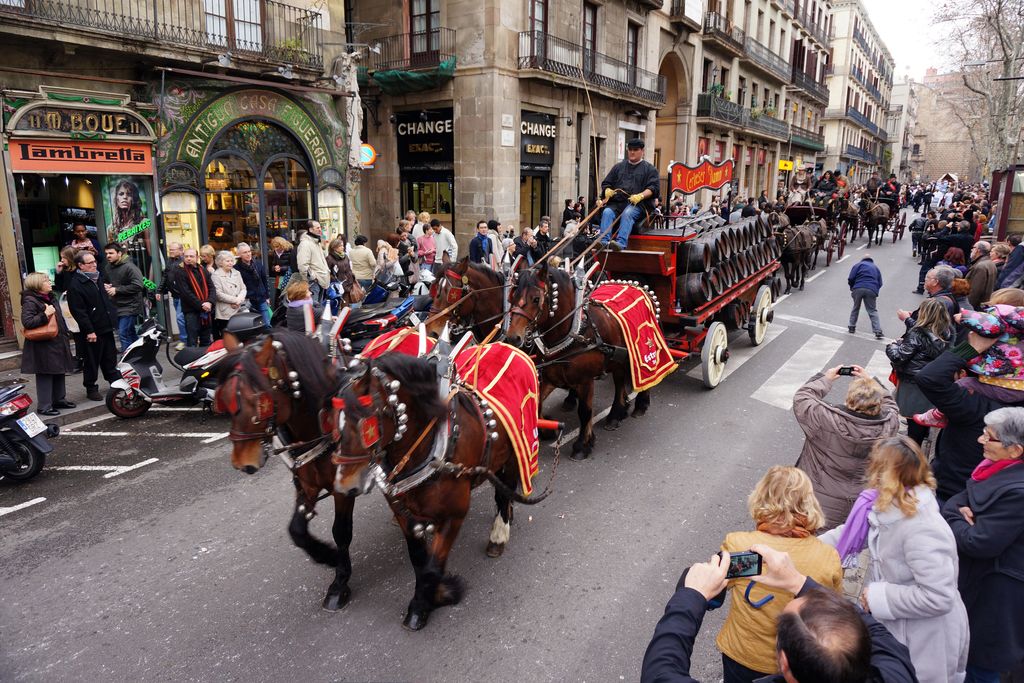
226	109
706	175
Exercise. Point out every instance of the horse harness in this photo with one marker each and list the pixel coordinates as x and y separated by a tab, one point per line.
549	298
459	289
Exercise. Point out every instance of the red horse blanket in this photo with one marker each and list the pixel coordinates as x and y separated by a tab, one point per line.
507	379
649	359
403	340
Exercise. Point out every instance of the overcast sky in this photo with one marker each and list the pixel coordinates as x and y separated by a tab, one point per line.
905	27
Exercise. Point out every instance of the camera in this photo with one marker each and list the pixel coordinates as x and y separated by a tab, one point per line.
846	370
744	564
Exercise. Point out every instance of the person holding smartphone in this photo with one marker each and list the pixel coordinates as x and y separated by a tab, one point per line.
839	437
786	516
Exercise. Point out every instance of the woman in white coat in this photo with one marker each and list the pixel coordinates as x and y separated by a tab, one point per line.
911	582
229	289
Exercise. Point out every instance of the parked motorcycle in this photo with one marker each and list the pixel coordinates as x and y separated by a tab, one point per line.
141	384
366	322
24	438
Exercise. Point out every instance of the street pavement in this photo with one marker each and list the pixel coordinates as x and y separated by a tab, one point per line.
140	554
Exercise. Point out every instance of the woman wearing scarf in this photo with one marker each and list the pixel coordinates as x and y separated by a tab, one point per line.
987	520
786	515
910	586
50	359
230	291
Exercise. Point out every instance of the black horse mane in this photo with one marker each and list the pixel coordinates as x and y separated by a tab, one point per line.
530	278
416	375
304	355
496	277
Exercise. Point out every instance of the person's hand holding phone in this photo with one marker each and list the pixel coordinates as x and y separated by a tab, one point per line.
708	578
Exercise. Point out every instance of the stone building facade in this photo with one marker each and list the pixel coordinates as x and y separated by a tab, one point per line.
900	124
942	143
860	88
483	109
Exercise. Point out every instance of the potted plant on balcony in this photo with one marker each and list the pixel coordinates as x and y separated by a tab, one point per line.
770	111
717	90
755	112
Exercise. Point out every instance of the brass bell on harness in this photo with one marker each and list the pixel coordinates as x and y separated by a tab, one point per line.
394	385
393	399
492	424
293	376
400	409
402	419
494	436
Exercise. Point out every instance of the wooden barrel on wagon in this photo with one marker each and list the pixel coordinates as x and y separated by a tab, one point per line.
693	290
697	255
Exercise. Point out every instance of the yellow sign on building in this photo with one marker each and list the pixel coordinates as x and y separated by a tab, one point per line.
785	165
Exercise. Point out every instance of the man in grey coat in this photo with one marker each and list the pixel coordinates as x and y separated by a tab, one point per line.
125	288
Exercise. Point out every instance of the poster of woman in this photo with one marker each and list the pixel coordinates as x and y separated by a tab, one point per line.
127	217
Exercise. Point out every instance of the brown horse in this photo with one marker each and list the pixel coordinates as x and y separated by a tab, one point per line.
452	446
479	292
278	387
876	217
574	346
797	245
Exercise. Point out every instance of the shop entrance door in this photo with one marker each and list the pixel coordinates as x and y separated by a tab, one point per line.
533	199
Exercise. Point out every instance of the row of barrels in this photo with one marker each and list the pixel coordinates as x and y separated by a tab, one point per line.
720	257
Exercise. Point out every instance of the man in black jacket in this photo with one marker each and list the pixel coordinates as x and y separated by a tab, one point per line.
195	286
173	259
257	284
124	287
627	190
97	318
821	636
957	451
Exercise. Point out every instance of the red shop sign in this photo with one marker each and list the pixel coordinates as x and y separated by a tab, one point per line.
761	154
689	179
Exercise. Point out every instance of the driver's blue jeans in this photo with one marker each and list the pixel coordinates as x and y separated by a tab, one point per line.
629	216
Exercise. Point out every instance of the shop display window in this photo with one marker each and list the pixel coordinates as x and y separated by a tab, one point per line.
181	218
331	203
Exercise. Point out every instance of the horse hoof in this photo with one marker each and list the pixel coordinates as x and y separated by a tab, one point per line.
415	621
495	549
569	403
449	591
611	425
335	599
639	412
579	455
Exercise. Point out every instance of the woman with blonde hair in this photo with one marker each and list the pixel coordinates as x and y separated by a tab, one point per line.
48	359
786	515
229	289
911	581
920	345
207	256
839	437
422	225
299	298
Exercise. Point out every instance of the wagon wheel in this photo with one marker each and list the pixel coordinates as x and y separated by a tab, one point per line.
830	245
902	225
842	240
761	316
714	354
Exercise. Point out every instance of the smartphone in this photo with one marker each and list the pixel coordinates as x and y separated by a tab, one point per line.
846	370
743	564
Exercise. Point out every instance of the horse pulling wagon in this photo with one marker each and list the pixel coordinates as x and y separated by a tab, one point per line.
714	277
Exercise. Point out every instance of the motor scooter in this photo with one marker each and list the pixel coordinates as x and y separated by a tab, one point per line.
142	384
24	438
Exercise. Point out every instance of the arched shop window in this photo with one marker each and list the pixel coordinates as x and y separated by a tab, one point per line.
331	205
258	186
181	218
288	196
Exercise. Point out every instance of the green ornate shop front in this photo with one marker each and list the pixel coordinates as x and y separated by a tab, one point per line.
248	164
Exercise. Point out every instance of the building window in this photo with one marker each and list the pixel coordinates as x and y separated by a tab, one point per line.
235	24
539	15
589	35
424	25
632	50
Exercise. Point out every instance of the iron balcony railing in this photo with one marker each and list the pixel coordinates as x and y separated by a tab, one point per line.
859	38
861	78
861	119
805	19
541	51
860	154
678	12
807	138
714	107
264	29
759	54
413	51
721	29
810	86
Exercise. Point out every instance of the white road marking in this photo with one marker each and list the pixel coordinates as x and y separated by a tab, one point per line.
815	276
20	506
812	357
828	327
782	298
189	435
864	246
843	259
215	437
86	423
880	367
111	470
738	355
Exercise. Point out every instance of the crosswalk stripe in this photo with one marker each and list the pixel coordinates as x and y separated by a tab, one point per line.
880	367
812	357
738	355
828	327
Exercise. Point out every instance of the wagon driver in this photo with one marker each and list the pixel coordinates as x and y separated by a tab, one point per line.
629	189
